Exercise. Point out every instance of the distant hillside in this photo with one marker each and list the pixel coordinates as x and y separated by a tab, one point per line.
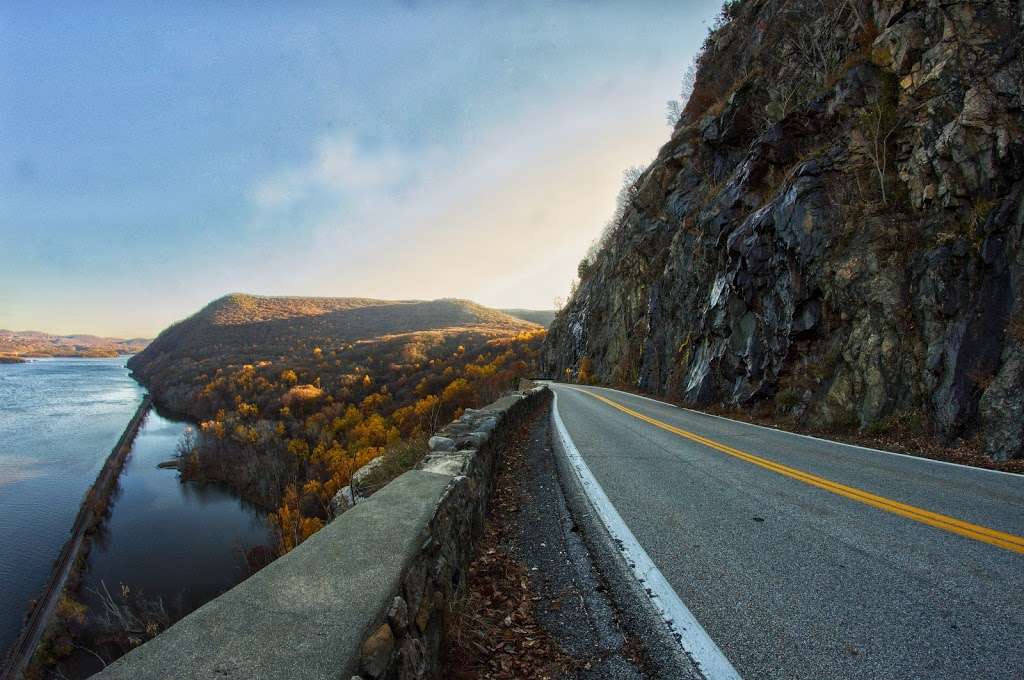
240	329
245	328
36	344
542	317
296	393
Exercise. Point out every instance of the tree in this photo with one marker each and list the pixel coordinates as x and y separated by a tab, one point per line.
289	435
630	178
286	521
674	107
187	443
428	410
673	112
298	448
878	124
458	393
371	432
585	376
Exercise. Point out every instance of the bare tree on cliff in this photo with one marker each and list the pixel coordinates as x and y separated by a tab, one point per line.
878	123
674	107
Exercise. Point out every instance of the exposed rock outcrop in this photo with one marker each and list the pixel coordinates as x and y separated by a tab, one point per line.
358	489
835	225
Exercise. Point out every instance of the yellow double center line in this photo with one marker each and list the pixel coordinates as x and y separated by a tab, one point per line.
951	524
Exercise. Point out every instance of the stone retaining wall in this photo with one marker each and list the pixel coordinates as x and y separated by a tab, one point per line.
366	596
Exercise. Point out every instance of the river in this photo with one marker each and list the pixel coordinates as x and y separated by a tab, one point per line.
59	419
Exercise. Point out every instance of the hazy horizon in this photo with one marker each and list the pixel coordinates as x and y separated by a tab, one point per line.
157	158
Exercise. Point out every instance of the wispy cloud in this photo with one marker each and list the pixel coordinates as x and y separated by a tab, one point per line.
502	217
338	165
394	150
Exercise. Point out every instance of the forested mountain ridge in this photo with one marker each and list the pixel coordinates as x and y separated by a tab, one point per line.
38	344
294	394
238	329
833	232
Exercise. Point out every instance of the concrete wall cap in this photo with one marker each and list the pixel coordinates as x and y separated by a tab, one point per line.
308	612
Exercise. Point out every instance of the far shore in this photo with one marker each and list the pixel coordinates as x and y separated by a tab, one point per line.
25	358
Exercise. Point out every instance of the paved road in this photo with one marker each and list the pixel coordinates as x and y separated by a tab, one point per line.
810	559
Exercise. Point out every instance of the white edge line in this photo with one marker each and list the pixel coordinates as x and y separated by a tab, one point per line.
797	434
691	636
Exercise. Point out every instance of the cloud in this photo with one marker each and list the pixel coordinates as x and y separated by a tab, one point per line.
339	166
502	216
481	149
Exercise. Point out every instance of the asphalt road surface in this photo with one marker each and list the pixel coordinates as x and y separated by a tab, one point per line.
805	558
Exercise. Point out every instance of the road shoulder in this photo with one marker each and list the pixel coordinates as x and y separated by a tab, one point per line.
537	605
632	596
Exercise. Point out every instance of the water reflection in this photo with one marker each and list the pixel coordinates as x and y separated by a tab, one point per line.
171	538
59	418
181	543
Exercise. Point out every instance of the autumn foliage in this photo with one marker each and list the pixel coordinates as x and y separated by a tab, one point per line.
289	412
293	446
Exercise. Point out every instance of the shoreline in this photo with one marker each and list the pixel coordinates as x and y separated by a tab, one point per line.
26	358
91	513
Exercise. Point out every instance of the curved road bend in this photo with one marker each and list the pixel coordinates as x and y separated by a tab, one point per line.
805	558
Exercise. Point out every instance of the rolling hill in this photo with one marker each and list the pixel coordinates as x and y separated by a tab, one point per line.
294	391
33	344
240	329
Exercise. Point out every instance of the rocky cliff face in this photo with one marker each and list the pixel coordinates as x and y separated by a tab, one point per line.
834	228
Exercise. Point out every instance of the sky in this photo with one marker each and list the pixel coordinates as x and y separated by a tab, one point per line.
154	157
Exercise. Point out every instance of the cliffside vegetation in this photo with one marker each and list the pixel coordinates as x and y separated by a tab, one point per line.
293	395
832	237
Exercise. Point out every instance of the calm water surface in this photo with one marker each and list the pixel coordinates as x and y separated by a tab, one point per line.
181	542
59	418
